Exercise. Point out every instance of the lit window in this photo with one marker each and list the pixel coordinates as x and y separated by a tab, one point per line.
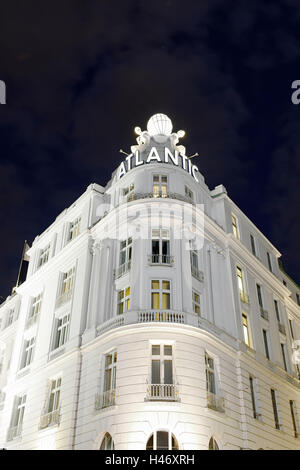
34	310
162	364
107	442
235	226
162	440
50	414
243	296
54	397
67	281
123	301
74	229
160	295
246	329
160	186
196	303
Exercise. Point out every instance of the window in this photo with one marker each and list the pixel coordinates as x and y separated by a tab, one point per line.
210	374
275	409
160	246
214	399
109	385
50	415
27	352
253	392
162	440
253	246
269	261
282	345
44	256
266	343
74	229
245	326
128	192
213	444
259	296
196	303
188	193
244	297
61	331
123	301
162	364
291	329
54	398
107	442
125	251
284	283
196	273
298	299
294	418
160	186
10	317
15	429
160	295
66	286
235	226
34	310
277	310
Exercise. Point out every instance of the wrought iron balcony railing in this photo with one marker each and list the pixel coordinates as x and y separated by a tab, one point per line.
162	392
65	297
161	259
196	273
50	419
105	399
123	269
264	314
215	402
281	328
13	432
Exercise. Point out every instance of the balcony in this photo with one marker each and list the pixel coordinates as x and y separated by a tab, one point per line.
162	392
163	260
121	270
106	399
197	274
14	432
215	402
31	320
264	314
244	297
281	328
50	419
63	298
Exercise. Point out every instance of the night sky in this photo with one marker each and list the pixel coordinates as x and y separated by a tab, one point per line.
80	75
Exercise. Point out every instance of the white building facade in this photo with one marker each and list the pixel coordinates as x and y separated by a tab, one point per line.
154	315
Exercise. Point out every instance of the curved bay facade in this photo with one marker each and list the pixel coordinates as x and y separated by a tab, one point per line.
154	315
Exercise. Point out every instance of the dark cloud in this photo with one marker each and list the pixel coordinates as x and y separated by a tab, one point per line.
81	75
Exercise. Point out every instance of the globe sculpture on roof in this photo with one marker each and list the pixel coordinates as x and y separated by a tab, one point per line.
159	127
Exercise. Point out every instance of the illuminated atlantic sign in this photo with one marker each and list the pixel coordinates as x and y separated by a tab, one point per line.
176	158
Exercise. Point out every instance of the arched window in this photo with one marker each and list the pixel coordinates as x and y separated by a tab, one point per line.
160	440
213	444
107	442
